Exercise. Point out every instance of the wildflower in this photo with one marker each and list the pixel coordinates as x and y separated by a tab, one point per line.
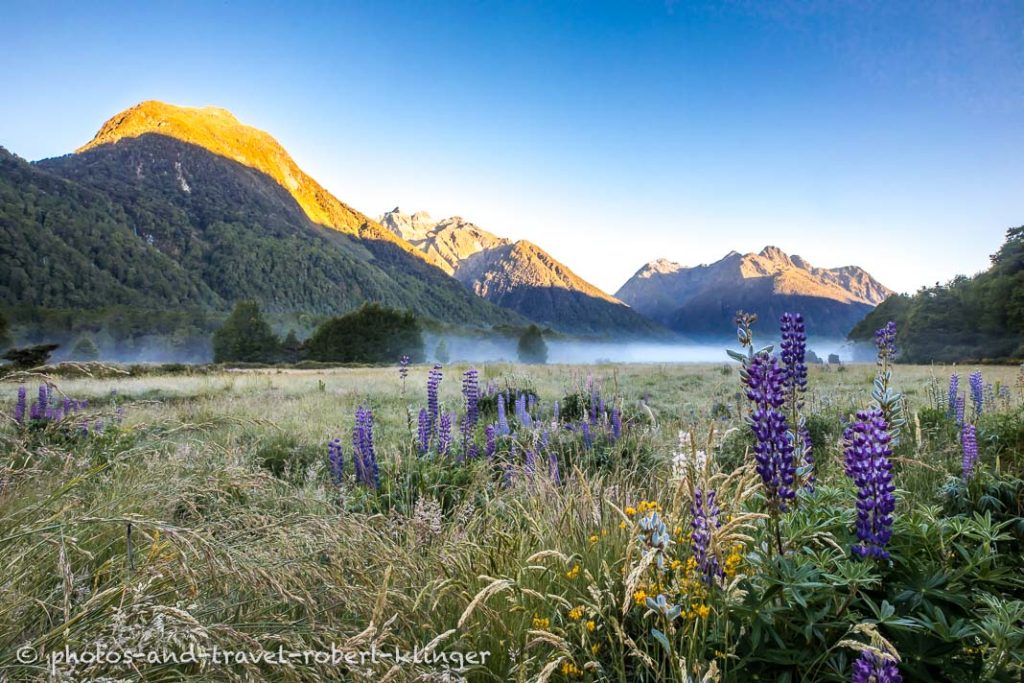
616	424
595	648
576	613
954	392
630	511
867	451
885	341
732	563
872	668
661	605
556	478
573	573
793	351
423	432
594	538
587	441
705	522
640	597
444	434
19	405
961	409
654	535
571	670
503	428
433	385
364	456
336	460
702	611
977	392
403	368
491	441
471	396
774	449
969	441
622	525
540	623
590	626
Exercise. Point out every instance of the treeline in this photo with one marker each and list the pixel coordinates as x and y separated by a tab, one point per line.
978	318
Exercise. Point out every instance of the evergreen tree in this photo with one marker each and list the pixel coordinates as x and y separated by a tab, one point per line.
5	333
532	348
441	354
291	348
245	336
85	349
373	334
30	357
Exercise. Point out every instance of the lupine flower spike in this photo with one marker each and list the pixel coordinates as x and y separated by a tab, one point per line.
867	454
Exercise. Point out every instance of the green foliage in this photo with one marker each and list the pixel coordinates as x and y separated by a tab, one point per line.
967	319
5	333
532	348
441	354
245	336
373	334
85	349
30	357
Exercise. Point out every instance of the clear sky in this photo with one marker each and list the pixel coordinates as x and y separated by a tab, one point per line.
883	134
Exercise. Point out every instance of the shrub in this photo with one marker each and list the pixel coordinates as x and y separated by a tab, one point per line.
245	336
373	334
532	348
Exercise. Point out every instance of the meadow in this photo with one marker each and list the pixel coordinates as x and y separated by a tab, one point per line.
577	542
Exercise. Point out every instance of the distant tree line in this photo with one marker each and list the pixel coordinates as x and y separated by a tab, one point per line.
978	318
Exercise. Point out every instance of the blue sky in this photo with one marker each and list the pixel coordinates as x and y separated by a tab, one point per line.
883	134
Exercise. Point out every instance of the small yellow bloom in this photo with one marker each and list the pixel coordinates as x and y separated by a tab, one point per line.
576	613
594	538
540	624
631	511
595	648
674	565
622	525
604	532
591	625
640	597
571	670
573	573
703	611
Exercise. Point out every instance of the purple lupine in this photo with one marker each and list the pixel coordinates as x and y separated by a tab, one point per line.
491	440
503	428
616	424
444	434
433	385
471	396
588	443
954	392
885	341
961	410
19	405
866	453
423	431
705	521
977	392
871	668
774	450
553	468
969	441
531	462
364	455
336	460
793	352
522	412
403	367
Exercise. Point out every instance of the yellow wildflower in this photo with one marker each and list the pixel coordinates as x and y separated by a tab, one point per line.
674	565
631	511
595	648
622	525
540	624
576	613
594	538
591	625
573	573
703	611
640	597
571	670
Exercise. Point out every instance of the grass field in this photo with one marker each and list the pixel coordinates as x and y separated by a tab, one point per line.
205	513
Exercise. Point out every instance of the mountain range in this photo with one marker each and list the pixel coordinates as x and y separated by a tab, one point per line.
172	207
703	300
517	275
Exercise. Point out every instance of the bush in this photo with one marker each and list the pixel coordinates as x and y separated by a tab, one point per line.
373	334
85	349
532	348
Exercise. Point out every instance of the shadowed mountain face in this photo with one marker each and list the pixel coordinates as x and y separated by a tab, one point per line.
704	299
171	224
517	275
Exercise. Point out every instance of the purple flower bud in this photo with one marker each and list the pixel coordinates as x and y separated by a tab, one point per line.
969	441
866	452
954	392
870	668
705	520
774	449
977	392
19	405
335	459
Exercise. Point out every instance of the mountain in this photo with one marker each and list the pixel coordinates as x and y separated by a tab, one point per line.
517	275
704	299
968	319
172	207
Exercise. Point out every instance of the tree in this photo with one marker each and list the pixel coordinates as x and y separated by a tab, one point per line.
245	336
291	348
31	356
373	334
5	333
85	349
441	354
532	348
